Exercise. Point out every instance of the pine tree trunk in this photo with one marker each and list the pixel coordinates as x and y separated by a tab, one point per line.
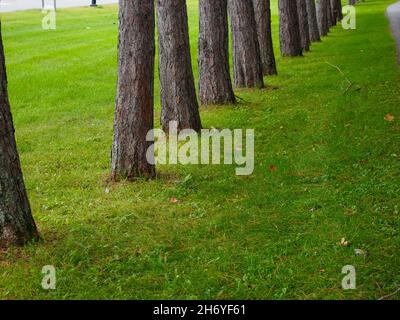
247	65
178	93
336	10
215	85
339	8
290	39
333	4
322	17
134	101
312	21
17	226
303	24
329	14
262	12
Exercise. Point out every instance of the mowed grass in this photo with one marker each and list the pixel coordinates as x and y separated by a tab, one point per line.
271	235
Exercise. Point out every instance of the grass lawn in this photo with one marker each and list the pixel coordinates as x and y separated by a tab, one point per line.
272	235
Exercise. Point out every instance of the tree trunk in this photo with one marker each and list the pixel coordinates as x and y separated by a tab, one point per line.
262	12
303	24
333	4
290	39
329	14
322	17
135	100
247	65
178	93
215	85
339	8
336	10
17	226
312	21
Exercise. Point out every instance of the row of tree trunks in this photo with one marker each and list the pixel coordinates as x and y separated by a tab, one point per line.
215	85
262	12
307	21
247	64
178	93
289	31
17	226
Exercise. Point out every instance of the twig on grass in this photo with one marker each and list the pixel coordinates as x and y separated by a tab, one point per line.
390	295
342	73
242	99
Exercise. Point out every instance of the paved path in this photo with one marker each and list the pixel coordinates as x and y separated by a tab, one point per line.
393	13
15	5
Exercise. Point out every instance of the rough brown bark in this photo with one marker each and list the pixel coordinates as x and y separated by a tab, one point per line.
336	6
17	226
215	85
289	32
262	13
303	24
340	13
329	14
247	65
322	17
134	101
178	93
312	21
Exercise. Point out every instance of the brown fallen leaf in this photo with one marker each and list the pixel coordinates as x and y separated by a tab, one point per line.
273	168
174	200
344	242
389	117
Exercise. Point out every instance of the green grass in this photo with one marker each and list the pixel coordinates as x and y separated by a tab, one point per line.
272	235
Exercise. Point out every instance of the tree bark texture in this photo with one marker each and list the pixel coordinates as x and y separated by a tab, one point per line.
289	31
303	24
262	13
135	89
329	14
339	8
336	5
178	93
247	65
322	17
312	21
215	85
17	226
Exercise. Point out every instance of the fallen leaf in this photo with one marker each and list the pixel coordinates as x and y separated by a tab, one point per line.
174	200
107	190
389	117
273	168
344	242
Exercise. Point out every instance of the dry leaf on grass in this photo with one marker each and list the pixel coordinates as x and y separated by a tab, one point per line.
344	242
389	117
273	168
